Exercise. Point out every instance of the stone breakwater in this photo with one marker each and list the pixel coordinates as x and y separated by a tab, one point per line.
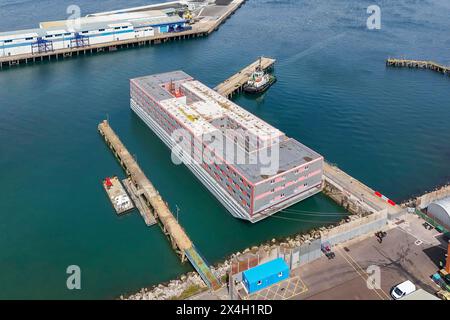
175	288
171	290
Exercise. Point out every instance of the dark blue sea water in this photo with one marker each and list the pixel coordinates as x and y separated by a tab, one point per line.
387	127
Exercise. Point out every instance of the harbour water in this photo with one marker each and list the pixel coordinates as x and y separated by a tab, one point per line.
387	127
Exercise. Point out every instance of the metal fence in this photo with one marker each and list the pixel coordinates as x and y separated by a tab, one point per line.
310	251
303	254
250	260
355	228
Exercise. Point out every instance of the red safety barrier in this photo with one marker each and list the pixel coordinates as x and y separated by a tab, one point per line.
392	203
378	194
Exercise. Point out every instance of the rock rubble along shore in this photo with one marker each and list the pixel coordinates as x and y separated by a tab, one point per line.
191	281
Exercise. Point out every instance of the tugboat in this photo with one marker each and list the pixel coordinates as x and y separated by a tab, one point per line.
259	81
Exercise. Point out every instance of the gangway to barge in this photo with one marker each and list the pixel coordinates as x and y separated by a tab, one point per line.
201	266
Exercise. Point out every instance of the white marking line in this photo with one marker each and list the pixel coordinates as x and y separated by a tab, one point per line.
414	236
263	294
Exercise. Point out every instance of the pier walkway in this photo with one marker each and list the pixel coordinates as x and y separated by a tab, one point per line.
353	188
235	83
147	192
135	195
202	28
418	64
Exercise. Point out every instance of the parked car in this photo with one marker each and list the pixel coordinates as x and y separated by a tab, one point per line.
403	289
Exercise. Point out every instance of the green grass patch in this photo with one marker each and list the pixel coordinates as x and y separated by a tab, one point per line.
224	278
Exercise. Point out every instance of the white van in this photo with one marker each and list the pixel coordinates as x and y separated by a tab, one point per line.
403	289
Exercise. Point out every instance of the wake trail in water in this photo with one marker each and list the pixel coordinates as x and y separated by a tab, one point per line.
317	47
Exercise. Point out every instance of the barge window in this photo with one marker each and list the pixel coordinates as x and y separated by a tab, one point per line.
8	41
67	34
30	38
84	31
101	30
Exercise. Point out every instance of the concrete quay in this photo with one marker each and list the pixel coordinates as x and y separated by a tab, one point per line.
354	189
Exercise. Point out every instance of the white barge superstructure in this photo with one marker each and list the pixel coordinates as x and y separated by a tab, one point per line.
188	116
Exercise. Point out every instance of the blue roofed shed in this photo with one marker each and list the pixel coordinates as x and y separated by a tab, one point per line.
265	275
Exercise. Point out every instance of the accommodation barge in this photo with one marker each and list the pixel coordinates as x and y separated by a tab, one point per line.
252	168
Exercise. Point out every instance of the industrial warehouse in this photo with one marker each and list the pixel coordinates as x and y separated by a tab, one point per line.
91	30
251	190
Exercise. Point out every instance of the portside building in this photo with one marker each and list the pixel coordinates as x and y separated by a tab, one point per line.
440	211
252	168
87	31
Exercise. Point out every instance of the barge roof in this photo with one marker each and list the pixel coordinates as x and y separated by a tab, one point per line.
207	105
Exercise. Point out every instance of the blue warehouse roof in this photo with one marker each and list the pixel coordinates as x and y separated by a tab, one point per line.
263	270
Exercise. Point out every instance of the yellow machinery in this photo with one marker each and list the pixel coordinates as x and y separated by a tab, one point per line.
188	16
443	294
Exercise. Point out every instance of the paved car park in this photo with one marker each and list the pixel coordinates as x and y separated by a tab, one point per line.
408	252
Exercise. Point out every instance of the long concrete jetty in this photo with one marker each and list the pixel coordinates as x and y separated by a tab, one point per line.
418	64
199	29
235	83
180	241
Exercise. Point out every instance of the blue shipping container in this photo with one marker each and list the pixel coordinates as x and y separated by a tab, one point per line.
265	275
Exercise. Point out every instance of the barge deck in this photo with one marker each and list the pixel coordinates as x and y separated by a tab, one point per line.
117	195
